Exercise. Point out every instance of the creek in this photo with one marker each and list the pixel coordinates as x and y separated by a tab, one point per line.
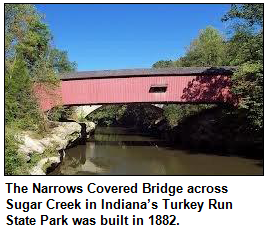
126	151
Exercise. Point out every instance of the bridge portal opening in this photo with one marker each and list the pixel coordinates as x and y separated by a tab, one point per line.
158	88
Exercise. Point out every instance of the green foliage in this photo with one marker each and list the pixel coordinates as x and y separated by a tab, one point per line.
60	113
139	115
175	114
245	46
27	43
163	64
107	115
251	13
18	17
20	104
81	117
35	44
29	59
248	85
60	61
246	50
13	160
209	49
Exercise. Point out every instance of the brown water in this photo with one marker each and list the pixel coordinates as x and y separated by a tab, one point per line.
123	151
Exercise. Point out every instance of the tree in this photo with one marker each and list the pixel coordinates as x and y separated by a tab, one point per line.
29	59
27	42
60	62
246	50
25	34
163	64
208	49
252	14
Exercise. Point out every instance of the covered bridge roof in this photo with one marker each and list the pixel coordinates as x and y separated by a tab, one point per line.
182	71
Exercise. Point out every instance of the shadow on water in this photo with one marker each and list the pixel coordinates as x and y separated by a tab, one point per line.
131	143
246	154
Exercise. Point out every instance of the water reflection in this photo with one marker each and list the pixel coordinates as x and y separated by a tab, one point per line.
123	151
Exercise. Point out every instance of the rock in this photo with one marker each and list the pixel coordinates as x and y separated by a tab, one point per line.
90	127
62	135
30	145
40	168
60	138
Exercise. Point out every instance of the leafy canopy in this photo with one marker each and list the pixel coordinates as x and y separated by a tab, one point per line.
29	59
246	51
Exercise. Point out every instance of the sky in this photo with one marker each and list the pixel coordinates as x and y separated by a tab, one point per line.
125	36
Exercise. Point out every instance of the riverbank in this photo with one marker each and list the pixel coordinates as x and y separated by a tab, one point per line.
40	154
212	130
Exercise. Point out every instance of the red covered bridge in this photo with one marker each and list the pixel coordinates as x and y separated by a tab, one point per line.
180	85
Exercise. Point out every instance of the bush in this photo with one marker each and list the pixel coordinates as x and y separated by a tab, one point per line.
177	113
13	161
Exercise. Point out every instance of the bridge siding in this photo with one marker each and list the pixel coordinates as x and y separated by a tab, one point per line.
120	90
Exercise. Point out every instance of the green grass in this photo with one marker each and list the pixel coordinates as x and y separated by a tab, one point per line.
15	162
